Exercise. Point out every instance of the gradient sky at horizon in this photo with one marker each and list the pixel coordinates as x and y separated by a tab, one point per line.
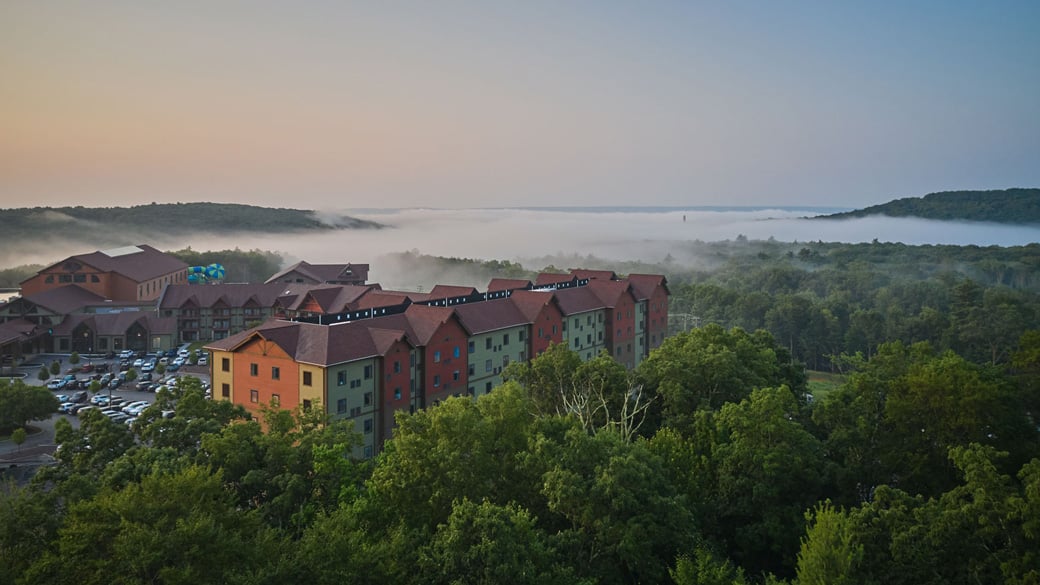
471	104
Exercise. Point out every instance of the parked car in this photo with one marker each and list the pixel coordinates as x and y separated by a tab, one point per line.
76	409
86	368
62	397
173	367
138	362
126	353
203	360
116	383
56	384
65	407
102	367
84	408
129	408
80	396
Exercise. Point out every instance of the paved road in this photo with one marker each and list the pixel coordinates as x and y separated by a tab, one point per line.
39	446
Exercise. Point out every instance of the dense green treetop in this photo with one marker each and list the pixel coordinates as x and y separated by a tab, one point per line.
1007	206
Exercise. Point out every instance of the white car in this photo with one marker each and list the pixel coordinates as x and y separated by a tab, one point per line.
183	352
179	360
137	410
66	407
126	353
129	408
138	362
203	360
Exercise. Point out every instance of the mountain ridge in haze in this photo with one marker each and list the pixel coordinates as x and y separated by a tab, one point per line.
175	218
1012	206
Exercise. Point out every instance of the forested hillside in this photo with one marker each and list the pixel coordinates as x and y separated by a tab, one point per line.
89	224
1019	206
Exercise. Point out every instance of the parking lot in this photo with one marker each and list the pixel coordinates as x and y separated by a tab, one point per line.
43	442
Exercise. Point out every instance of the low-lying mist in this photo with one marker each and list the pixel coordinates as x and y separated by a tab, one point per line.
533	237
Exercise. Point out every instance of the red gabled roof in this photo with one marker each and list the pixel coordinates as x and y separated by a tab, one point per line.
322	273
546	278
500	284
321	345
16	330
490	316
375	300
531	302
643	285
445	291
138	263
231	294
420	322
578	299
581	273
609	291
65	299
336	298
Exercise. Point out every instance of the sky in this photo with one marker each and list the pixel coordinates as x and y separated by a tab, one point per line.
454	104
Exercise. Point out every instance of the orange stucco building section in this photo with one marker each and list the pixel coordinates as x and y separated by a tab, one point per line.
262	366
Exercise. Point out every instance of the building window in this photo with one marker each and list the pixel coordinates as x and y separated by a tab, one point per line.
436	356
487	343
276	373
397	367
487	387
355	383
505	339
254	369
505	361
618	352
355	412
368	399
306	405
540	333
487	366
49	279
254	396
520	335
276	400
307	379
554	330
368	426
341	378
397	393
225	390
472	347
368	372
472	369
368	451
455	375
436	380
94	278
455	352
341	406
79	278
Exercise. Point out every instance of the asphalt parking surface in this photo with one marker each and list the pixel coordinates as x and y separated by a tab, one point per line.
39	446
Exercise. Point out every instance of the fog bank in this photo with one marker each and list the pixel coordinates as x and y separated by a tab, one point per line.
521	235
